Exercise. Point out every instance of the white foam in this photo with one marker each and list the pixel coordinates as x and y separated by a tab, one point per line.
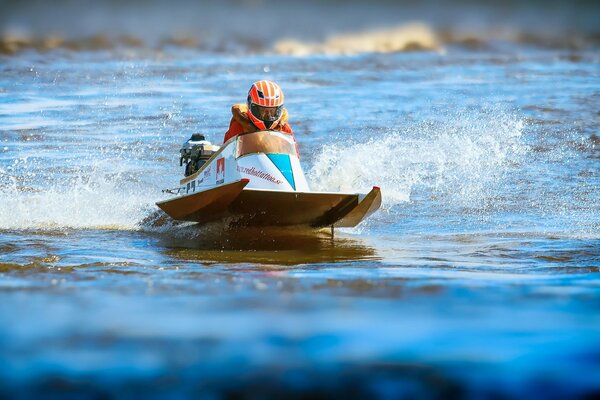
93	198
461	156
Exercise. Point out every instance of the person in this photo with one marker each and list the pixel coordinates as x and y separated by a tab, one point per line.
263	111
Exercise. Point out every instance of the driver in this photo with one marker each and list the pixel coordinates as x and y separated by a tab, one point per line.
262	111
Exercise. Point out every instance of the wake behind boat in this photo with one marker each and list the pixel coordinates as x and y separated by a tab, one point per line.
255	179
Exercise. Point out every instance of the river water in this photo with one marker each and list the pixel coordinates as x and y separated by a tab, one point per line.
478	277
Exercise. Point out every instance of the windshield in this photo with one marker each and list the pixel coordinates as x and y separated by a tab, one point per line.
265	142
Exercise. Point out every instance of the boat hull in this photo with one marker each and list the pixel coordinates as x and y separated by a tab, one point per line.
203	206
259	207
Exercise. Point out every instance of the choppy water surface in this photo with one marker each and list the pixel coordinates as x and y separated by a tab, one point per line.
478	277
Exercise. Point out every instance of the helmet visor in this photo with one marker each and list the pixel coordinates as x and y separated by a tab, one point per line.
267	114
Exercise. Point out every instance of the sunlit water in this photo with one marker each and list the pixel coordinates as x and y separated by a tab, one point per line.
479	275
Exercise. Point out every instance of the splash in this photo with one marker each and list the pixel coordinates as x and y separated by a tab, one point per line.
462	156
92	197
408	37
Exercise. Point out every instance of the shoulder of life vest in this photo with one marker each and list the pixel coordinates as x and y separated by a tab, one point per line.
240	114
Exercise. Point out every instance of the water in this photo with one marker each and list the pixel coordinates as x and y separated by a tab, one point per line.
477	278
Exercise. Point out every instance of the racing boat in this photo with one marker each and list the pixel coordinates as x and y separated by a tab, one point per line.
255	179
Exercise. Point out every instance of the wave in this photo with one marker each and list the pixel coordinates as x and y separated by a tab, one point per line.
383	27
462	157
405	38
409	37
97	196
13	44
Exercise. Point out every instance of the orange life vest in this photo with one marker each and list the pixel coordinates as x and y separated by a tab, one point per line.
240	123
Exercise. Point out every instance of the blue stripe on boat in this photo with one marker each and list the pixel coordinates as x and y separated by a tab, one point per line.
283	163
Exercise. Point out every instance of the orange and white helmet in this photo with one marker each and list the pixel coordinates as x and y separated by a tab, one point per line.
265	104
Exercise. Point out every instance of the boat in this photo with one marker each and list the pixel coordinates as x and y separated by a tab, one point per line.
255	179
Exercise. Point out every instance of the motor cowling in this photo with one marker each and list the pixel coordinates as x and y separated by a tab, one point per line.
195	152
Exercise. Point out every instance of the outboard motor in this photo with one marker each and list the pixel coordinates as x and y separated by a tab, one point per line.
195	152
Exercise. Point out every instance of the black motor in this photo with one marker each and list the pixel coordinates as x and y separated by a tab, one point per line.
195	152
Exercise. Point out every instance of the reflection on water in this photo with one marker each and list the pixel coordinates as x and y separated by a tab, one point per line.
214	244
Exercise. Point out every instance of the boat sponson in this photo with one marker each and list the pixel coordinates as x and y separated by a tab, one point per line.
366	206
203	206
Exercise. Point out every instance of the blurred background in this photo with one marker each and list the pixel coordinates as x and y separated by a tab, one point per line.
291	27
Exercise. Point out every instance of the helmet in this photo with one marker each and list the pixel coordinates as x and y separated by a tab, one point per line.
265	104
